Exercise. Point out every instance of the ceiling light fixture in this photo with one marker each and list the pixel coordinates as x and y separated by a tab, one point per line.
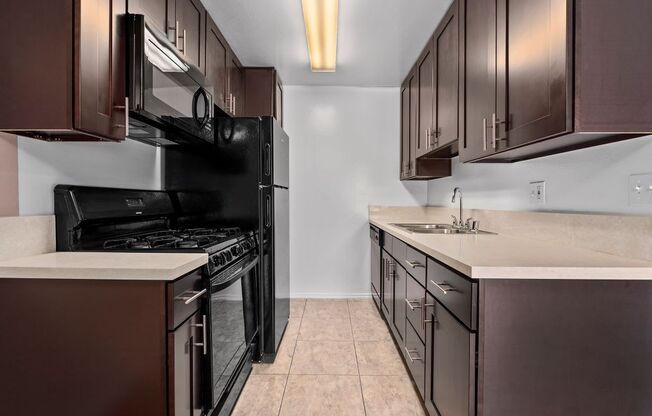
320	19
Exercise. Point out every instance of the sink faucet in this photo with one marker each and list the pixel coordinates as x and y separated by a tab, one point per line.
457	191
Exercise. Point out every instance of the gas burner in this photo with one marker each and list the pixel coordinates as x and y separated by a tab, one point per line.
140	244
170	241
188	244
119	243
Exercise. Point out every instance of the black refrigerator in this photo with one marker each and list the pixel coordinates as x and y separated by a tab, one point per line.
246	173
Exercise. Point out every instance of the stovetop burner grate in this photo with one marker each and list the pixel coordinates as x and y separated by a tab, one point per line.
183	238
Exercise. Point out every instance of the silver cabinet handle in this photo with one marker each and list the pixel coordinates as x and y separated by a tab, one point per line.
484	134
203	343
176	34
414	264
126	116
440	287
184	41
424	312
412	307
235	106
410	357
189	299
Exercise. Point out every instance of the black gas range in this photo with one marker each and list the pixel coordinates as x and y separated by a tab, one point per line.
107	219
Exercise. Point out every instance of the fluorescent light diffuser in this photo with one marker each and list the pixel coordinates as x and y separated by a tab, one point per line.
320	18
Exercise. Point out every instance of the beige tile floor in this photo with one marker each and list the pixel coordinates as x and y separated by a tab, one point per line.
336	359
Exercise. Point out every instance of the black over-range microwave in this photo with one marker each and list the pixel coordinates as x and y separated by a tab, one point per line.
168	98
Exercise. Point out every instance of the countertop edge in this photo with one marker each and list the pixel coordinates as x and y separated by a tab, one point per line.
520	272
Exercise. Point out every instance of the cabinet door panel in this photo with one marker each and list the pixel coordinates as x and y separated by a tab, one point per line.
480	64
278	102
453	363
405	130
425	123
447	79
154	9
236	81
414	116
216	55
535	83
190	14
100	81
400	279
388	286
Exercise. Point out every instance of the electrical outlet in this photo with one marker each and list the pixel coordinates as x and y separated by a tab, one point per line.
538	192
640	189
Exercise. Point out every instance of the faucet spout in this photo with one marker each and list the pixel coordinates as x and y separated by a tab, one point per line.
457	191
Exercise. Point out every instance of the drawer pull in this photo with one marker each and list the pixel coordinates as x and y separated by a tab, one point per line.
189	299
424	312
410	357
441	285
412	307
414	264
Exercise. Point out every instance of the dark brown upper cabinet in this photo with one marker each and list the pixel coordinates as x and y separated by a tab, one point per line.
548	76
64	70
411	167
263	93
154	10
187	18
216	68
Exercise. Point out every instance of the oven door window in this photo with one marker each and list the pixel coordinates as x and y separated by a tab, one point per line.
233	314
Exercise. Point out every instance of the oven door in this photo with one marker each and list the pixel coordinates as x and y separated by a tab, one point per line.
233	313
166	92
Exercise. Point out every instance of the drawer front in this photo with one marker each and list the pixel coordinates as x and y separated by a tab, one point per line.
415	264
414	300
399	251
415	353
455	292
185	296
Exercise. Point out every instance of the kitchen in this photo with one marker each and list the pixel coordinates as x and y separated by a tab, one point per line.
326	208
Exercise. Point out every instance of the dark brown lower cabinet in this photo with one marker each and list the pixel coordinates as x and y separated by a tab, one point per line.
387	295
450	363
101	347
398	320
415	353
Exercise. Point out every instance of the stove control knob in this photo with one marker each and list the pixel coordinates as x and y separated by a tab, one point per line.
227	255
220	260
246	245
236	250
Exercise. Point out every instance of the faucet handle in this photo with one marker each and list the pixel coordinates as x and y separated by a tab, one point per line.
468	222
455	222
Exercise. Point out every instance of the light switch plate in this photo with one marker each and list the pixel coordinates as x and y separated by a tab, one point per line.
538	192
639	189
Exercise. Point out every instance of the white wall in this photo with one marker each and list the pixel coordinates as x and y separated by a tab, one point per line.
587	180
42	165
344	155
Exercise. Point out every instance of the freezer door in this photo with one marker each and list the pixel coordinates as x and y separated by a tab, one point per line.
281	259
281	151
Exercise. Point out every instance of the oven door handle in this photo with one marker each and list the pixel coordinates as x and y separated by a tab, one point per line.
236	274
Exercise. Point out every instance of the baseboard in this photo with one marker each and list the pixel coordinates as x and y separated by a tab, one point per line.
338	295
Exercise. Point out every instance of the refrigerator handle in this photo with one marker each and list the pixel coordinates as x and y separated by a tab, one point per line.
268	159
268	211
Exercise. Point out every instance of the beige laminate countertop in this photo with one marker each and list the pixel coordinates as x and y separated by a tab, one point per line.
103	266
503	257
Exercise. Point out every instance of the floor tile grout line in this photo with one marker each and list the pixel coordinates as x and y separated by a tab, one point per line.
287	378
357	364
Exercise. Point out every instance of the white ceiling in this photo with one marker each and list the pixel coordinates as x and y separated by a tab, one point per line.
378	40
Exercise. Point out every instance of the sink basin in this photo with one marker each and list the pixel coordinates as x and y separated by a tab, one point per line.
436	229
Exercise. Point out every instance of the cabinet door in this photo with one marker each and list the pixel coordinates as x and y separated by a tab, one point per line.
236	85
216	56
400	279
534	91
186	354
405	130
447	79
375	267
190	39
155	11
425	70
414	116
100	79
480	66
450	364
387	286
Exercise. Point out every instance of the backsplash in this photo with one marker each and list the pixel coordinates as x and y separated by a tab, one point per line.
621	235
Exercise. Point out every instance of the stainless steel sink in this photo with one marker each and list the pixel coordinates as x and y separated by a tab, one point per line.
437	229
